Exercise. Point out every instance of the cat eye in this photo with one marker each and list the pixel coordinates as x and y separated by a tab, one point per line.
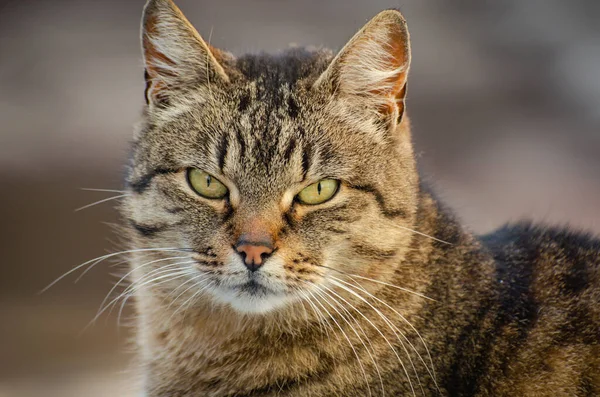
205	184
319	192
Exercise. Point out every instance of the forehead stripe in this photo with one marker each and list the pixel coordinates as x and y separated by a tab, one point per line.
388	213
241	142
307	154
222	148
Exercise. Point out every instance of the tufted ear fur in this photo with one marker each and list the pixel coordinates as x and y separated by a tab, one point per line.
175	55
371	70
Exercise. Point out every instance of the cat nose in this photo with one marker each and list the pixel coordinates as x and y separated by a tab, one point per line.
254	253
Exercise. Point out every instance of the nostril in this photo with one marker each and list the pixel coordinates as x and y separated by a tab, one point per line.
254	254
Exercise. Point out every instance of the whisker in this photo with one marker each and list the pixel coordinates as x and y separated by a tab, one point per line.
384	337
133	288
422	234
99	259
187	304
102	190
126	295
101	201
130	291
378	282
133	292
201	278
136	268
324	319
432	372
349	343
323	288
319	316
95	263
392	327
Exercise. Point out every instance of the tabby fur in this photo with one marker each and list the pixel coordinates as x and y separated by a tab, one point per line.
379	291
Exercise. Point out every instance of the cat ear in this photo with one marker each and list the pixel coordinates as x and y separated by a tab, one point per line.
175	55
371	70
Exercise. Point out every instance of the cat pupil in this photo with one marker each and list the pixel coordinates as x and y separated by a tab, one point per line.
208	180
319	188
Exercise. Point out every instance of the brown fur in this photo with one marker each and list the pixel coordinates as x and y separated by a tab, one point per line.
377	291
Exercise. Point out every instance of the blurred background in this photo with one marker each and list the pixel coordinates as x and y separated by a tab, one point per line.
504	99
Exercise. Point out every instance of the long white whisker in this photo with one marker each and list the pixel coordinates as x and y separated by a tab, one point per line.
323	318
349	343
327	291
97	260
389	324
152	276
195	280
422	234
186	305
319	316
133	288
379	282
90	267
102	190
178	274
101	201
130	291
136	268
432	372
382	335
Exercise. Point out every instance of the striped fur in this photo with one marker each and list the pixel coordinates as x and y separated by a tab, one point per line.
378	291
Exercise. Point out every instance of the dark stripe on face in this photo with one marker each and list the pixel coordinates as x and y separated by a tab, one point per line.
326	153
147	230
222	150
290	220
228	210
289	151
388	213
292	108
141	185
208	252
244	103
336	230
241	142
367	250
307	154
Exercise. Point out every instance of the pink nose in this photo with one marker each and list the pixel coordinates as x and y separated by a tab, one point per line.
254	253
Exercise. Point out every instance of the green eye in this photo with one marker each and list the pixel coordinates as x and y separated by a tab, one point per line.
205	184
319	192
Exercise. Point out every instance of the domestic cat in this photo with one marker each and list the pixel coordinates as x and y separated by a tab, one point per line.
282	243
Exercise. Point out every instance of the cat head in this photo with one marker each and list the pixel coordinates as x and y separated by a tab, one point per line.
266	180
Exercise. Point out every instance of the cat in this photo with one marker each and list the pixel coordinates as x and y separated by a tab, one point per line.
283	244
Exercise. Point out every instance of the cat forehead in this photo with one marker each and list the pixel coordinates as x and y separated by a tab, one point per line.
266	123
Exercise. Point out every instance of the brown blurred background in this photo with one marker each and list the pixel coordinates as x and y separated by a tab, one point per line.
504	98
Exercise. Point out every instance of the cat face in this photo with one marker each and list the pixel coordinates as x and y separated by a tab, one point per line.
268	178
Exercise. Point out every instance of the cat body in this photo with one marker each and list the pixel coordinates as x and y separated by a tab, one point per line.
286	246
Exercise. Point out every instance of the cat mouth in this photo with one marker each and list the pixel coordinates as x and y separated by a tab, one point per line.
253	294
254	288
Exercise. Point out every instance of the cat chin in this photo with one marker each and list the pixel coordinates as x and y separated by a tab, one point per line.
248	302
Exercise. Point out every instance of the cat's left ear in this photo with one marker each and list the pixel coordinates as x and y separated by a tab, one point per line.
175	55
370	72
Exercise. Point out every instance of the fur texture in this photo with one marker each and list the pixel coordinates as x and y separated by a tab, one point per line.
378	291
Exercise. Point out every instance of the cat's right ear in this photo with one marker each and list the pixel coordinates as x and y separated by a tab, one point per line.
175	55
370	72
